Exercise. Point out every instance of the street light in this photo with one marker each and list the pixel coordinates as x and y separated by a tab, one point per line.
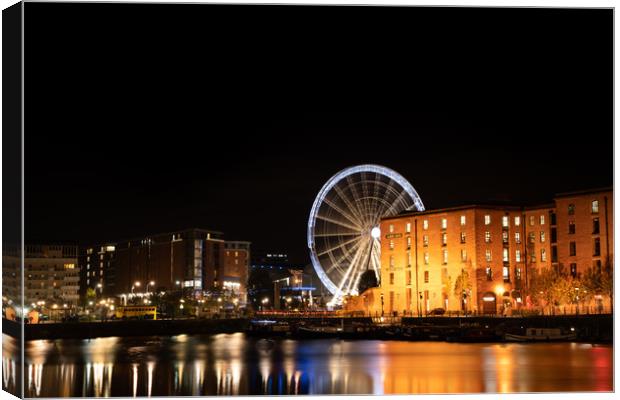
152	283
136	284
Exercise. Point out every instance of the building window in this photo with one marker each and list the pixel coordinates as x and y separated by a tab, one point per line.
487	255
409	259
425	224
391	261
391	228
426	258
462	220
543	255
408	242
487	237
554	235
595	226
518	273
594	206
505	237
542	236
391	278
463	255
532	220
487	219
531	237
408	227
391	245
597	247
573	270
489	272
444	239
554	254
445	256
505	221
463	237
426	277
517	237
572	249
571	209
506	274
532	257
571	227
444	223
542	219
408	282
425	240
505	255
517	221
518	255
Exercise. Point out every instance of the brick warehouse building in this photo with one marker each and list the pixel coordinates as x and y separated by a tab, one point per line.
424	253
193	260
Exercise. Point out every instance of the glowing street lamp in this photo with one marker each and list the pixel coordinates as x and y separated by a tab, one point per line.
136	284
152	283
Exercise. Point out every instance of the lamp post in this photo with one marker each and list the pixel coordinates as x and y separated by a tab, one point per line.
152	283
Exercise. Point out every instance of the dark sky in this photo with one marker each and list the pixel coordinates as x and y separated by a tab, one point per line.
150	118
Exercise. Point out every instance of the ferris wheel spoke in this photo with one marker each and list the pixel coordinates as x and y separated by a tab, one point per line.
352	266
355	210
345	254
392	210
338	234
381	205
341	245
354	281
335	221
353	190
342	212
376	193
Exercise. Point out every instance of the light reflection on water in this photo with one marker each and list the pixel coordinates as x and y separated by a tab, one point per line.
232	364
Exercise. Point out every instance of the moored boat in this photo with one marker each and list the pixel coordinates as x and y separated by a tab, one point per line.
540	335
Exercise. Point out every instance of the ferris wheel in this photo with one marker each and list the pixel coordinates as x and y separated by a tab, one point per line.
343	228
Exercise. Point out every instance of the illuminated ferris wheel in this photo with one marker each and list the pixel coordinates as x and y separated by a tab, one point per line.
343	229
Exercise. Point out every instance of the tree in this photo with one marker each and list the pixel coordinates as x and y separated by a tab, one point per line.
91	295
600	281
367	280
462	286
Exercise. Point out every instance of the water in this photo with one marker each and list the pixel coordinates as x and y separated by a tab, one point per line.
233	364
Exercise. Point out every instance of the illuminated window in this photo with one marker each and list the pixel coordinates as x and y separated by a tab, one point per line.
425	224
532	220
463	255
489	273
409	259
505	237
487	237
408	227
573	270
543	255
572	249
517	237
571	227
444	223
391	245
444	239
69	266
425	240
236	254
408	242
391	261
518	255
505	221
506	274
487	219
542	219
505	255
571	209
426	258
594	206
236	262
517	221
445	256
463	237
487	255
426	277
462	220
391	227
531	237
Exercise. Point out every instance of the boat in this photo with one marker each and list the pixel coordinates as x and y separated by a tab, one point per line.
540	335
318	331
268	328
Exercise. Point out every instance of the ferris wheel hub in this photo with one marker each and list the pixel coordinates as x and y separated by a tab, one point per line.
375	232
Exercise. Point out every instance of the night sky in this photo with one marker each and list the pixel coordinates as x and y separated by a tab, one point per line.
143	119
